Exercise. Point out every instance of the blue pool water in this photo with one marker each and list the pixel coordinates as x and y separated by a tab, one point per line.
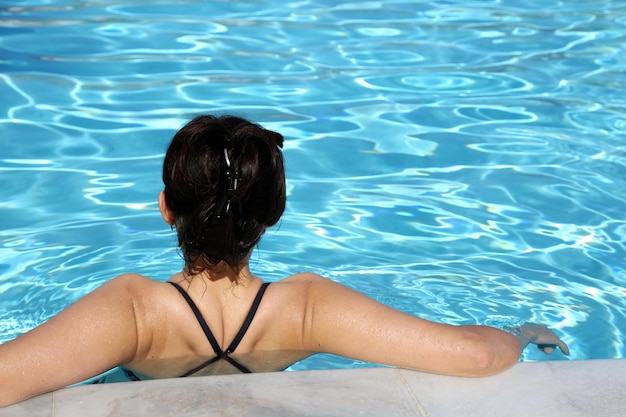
460	160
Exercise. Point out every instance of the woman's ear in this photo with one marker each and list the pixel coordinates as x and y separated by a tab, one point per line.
166	213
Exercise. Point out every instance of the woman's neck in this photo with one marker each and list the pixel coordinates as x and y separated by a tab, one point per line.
221	276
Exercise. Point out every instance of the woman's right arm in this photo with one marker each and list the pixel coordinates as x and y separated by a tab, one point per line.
91	336
344	322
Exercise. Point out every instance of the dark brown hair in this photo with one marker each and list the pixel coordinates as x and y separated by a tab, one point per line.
225	184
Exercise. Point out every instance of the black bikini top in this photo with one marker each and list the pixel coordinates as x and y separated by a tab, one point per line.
221	354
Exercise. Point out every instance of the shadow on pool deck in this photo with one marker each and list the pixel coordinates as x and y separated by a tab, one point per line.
560	388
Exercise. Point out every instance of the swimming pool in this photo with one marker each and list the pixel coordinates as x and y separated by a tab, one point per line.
463	161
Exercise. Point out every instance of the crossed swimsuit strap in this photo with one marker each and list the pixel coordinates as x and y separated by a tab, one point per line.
221	354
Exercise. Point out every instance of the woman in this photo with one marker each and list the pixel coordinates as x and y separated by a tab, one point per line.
224	185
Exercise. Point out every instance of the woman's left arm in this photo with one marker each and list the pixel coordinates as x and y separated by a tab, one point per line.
91	336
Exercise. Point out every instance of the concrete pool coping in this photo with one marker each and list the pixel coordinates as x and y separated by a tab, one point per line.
555	388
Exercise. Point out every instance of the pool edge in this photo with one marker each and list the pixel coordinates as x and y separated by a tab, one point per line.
558	388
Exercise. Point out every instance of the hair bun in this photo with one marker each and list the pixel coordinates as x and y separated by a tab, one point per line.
225	184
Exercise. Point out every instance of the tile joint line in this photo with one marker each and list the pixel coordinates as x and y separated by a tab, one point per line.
420	407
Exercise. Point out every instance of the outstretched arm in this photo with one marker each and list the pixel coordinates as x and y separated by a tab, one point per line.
93	335
344	322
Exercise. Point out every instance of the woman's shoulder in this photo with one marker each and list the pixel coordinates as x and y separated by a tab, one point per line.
304	278
310	287
128	283
305	281
136	288
132	281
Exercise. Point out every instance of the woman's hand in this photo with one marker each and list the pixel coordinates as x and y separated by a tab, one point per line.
544	338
